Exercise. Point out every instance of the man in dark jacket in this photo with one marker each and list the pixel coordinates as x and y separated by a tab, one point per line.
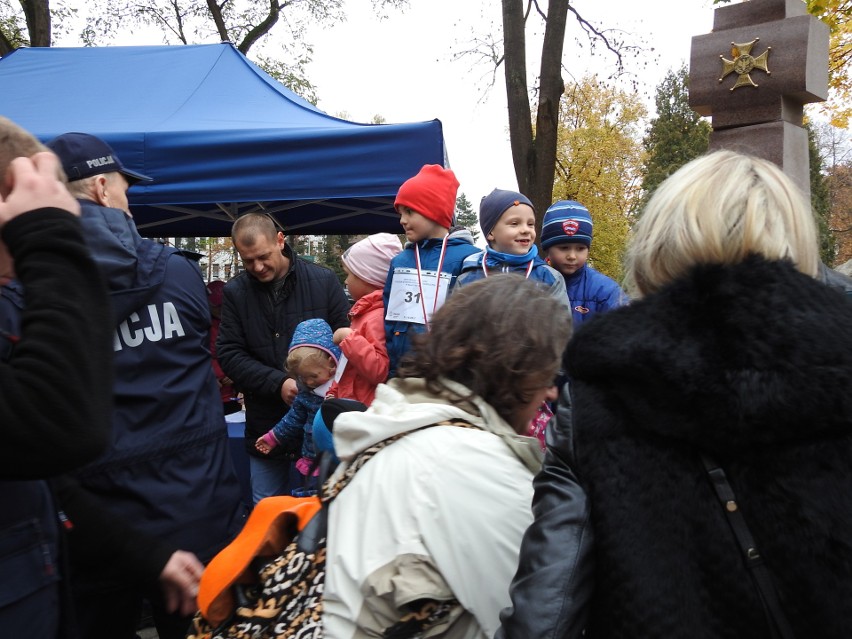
168	469
260	311
61	352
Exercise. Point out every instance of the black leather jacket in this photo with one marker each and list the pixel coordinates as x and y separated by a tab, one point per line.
554	582
835	279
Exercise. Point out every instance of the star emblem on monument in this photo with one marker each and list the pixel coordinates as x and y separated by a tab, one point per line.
743	63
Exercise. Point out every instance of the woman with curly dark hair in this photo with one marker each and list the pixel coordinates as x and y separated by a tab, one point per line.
443	504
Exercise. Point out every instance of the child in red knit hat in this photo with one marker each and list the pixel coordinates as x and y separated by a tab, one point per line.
421	276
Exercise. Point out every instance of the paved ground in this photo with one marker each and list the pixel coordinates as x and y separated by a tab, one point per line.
147	633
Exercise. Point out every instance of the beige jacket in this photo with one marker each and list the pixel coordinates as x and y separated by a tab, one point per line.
438	514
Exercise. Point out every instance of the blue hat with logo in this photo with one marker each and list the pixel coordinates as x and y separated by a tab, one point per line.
566	221
83	155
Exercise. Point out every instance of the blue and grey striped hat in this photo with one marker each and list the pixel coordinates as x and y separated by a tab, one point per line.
566	221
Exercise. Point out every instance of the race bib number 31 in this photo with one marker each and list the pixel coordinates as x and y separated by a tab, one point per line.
404	303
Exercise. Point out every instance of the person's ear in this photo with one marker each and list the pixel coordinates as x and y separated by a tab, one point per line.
101	192
280	240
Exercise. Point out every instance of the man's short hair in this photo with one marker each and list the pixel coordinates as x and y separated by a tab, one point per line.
250	226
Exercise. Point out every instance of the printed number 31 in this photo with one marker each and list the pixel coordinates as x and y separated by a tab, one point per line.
412	297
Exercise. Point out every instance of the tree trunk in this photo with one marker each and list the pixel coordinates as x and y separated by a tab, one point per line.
534	155
6	45
218	20
37	13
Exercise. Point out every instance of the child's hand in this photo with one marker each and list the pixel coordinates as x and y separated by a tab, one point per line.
262	446
341	334
304	465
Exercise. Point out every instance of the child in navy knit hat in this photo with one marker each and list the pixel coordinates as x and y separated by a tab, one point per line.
421	277
566	237
507	219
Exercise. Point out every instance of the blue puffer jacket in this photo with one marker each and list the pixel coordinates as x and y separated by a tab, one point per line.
495	262
398	333
296	427
168	468
591	292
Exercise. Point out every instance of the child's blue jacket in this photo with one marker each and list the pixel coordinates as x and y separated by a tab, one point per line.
459	246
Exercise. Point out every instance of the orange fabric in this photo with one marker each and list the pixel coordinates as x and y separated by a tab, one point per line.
267	532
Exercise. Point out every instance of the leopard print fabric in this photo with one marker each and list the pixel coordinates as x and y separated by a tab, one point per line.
286	603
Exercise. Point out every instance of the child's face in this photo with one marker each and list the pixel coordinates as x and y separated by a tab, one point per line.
514	232
418	227
358	288
567	258
315	374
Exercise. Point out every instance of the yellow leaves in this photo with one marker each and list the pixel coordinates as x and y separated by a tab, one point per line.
598	162
837	14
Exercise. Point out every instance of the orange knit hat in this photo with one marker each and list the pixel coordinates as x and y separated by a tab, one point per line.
432	193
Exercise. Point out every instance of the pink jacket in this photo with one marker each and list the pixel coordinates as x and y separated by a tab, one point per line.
365	350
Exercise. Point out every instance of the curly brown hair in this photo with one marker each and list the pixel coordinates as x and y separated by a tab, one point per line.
501	337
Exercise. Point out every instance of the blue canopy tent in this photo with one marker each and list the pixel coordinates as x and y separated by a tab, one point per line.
219	136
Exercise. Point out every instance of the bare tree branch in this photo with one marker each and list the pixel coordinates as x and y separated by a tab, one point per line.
589	28
179	19
534	3
160	18
261	29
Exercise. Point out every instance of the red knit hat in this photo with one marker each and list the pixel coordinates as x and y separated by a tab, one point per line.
432	193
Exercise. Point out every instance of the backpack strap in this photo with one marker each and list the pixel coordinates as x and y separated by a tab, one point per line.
272	525
331	488
778	623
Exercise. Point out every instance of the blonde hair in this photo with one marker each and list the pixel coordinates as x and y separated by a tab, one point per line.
302	355
720	208
15	142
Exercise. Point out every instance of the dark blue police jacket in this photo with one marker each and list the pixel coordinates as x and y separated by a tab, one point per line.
168	470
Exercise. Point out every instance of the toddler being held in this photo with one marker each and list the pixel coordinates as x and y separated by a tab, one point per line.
312	360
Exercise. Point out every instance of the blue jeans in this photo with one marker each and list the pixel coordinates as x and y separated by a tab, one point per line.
270	477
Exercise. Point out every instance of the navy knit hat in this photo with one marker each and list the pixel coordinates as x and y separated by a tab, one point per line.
493	205
566	221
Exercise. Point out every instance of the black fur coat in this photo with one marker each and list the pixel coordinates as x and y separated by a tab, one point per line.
753	365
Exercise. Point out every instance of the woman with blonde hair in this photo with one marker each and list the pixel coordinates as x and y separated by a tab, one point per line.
701	486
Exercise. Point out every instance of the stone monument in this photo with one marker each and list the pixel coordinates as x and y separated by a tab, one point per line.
763	61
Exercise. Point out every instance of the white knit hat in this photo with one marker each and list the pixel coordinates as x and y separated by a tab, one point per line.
369	259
